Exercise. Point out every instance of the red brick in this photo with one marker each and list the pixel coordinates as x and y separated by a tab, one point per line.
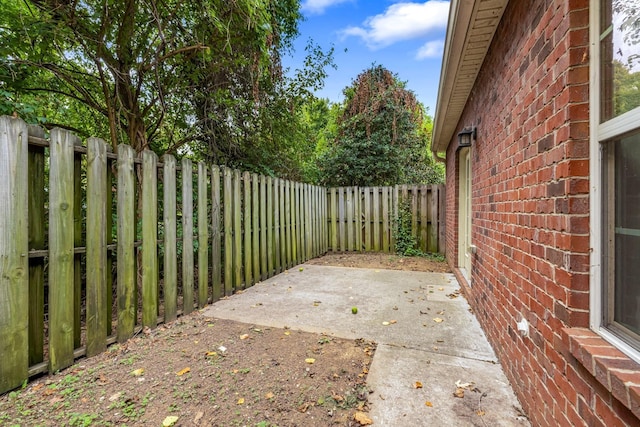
605	413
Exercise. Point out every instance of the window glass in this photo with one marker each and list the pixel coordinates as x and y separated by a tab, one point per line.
619	57
624	200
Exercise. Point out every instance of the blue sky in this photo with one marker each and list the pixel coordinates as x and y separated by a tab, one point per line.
405	37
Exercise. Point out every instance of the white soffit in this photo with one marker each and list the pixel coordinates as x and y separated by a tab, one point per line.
472	24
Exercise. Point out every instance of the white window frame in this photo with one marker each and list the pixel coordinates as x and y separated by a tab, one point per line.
600	132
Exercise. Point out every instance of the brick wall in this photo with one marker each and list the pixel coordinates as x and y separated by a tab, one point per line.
530	206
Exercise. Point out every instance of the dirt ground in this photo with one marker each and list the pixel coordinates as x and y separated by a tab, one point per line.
200	371
381	260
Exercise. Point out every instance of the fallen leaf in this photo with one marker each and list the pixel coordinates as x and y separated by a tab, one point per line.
169	421
211	353
183	371
303	408
392	322
459	392
438	320
310	360
429	404
287	333
269	395
480	412
362	418
418	384
460	384
137	372
241	401
244	336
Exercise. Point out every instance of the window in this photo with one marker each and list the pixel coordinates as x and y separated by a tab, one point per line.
615	303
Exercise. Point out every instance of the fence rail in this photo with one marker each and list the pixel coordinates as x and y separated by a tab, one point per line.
95	246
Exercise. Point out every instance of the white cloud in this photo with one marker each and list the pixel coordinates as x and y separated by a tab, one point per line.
432	49
317	7
401	21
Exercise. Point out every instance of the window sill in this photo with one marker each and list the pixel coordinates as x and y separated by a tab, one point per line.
616	371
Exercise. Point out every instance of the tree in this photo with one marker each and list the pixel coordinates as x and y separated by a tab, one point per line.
382	136
144	66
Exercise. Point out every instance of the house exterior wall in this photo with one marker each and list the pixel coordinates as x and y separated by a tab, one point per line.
530	204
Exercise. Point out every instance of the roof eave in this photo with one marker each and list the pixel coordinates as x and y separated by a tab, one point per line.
472	25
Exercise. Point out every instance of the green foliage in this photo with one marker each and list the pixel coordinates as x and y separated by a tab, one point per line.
382	136
626	94
202	79
406	243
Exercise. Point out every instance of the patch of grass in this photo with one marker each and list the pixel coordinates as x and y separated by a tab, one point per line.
82	420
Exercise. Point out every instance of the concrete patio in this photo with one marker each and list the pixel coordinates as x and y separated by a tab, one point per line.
424	330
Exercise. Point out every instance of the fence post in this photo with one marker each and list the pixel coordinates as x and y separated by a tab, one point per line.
36	241
96	246
170	281
126	288
14	261
149	239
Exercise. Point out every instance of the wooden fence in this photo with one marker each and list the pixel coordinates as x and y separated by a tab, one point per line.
364	218
95	246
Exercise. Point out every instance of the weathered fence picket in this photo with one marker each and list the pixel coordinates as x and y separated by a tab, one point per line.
203	236
187	236
61	244
96	291
126	286
14	245
216	236
149	239
245	228
169	216
248	264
